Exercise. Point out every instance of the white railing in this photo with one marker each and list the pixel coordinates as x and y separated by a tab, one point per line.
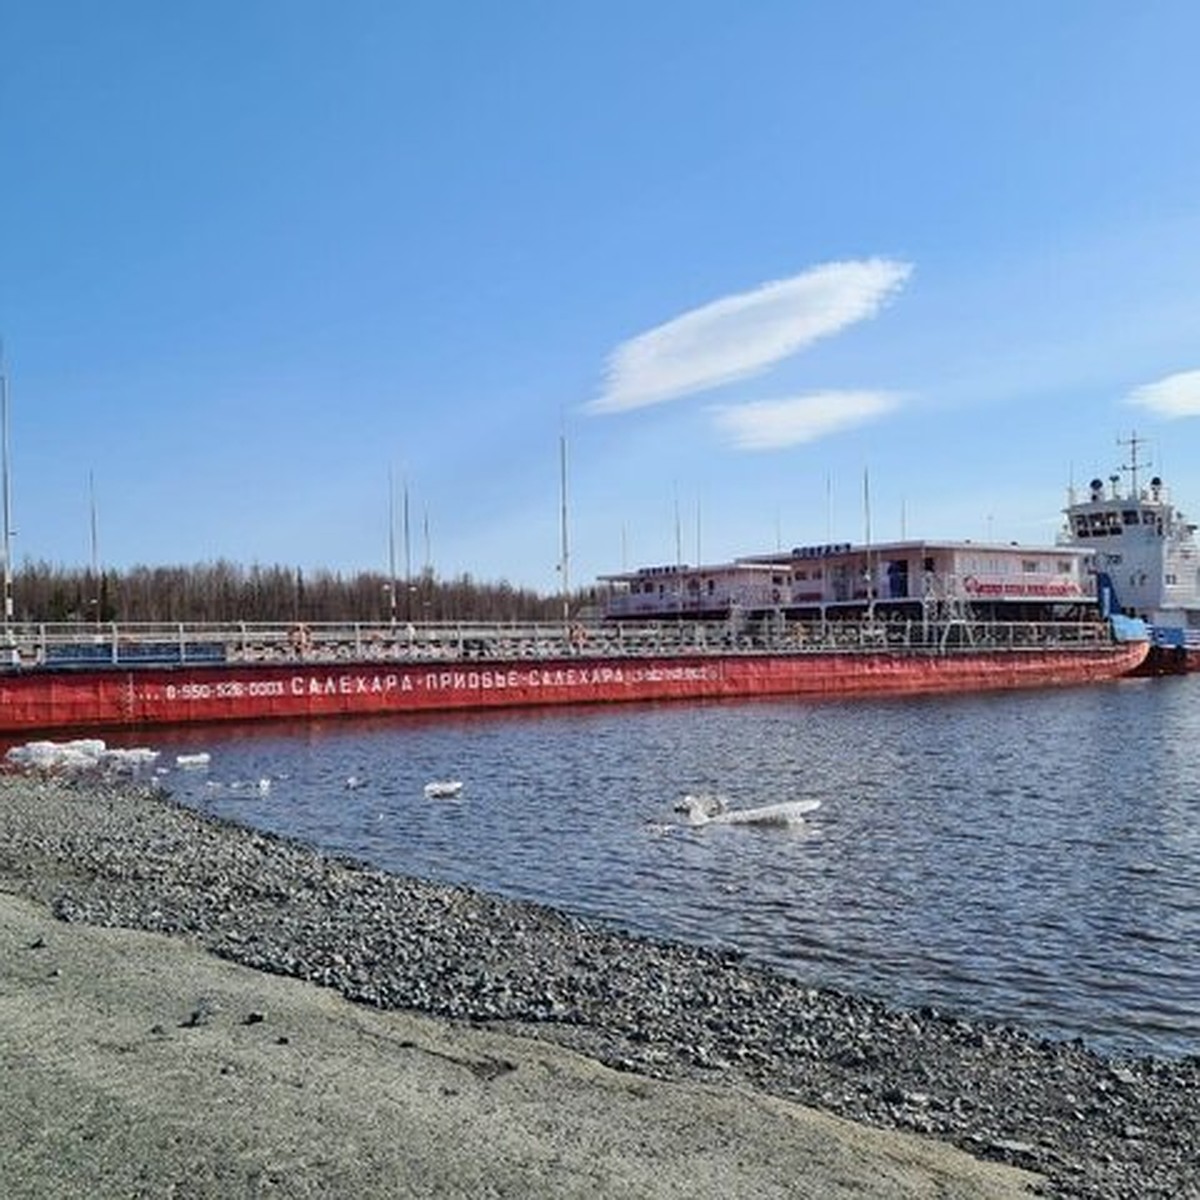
76	646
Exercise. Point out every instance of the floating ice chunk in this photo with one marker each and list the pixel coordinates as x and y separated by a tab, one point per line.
35	755
83	754
442	789
131	759
193	761
714	810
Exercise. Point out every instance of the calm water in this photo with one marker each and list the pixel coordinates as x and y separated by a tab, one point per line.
1033	857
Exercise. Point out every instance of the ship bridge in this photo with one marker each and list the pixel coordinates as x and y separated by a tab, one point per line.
1140	540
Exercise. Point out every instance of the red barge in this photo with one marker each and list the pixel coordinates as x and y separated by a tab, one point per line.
62	678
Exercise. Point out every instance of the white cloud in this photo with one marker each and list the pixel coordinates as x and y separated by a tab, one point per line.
741	335
774	424
1175	396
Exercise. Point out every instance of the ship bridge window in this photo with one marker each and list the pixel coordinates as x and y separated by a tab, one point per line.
1130	516
1064	566
1029	566
1147	518
1081	527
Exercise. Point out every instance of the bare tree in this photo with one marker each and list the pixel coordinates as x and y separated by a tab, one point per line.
225	592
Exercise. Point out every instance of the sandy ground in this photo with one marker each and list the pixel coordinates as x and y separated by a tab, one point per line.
134	1064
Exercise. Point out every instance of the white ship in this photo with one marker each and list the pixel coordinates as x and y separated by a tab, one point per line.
1146	559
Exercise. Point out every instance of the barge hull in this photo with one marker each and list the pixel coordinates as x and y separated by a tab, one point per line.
131	697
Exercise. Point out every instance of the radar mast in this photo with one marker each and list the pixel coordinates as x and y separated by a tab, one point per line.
1131	468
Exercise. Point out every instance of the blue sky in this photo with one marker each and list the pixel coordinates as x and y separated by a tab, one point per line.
254	257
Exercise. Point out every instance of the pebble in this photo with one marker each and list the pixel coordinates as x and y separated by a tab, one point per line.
1097	1128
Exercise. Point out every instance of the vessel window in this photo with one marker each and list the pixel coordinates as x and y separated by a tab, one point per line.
1147	518
1081	527
927	565
1064	566
1130	516
1029	566
712	586
1170	579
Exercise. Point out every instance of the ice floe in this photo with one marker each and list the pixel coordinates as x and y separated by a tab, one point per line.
710	809
81	755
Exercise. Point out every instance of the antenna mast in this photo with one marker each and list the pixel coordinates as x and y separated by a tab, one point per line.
408	583
6	488
565	562
391	547
1132	467
95	543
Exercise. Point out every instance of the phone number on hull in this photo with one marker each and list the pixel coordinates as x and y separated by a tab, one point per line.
437	681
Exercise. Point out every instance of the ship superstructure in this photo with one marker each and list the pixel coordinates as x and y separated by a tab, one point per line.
1145	551
910	579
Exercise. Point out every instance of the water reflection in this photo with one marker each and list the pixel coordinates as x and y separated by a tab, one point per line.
1030	857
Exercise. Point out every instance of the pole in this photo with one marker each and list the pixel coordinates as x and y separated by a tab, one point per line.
6	487
408	584
867	530
391	547
95	542
566	557
678	559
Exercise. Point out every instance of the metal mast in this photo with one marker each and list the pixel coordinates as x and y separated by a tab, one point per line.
95	544
391	547
564	564
408	583
6	488
1133	442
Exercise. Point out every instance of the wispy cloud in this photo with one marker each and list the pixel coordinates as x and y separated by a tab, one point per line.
743	334
1175	396
774	424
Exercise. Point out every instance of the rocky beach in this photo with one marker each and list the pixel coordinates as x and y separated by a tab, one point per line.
673	1059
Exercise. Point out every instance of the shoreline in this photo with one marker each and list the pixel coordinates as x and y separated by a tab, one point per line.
646	1011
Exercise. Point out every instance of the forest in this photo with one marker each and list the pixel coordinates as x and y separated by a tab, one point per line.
226	592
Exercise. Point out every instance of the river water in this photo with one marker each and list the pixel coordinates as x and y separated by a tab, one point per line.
1031	857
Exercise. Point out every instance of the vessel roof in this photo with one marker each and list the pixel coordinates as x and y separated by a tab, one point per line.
782	558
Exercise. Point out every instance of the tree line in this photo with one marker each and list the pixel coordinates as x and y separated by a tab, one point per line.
226	592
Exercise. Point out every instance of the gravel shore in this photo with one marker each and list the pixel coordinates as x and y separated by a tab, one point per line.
127	858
